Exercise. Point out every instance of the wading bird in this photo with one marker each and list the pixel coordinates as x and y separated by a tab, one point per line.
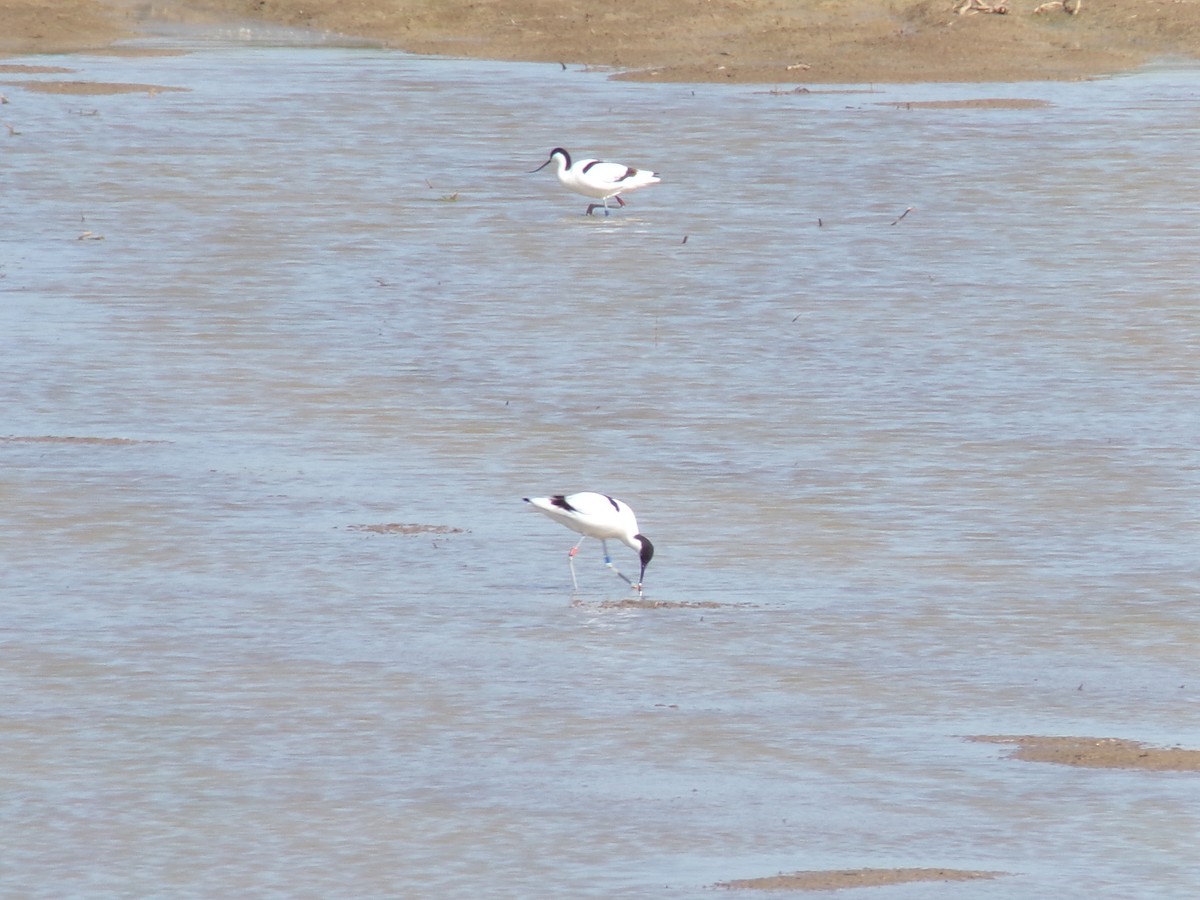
599	180
597	516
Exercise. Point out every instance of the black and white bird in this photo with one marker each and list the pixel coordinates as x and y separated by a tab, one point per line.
596	179
597	516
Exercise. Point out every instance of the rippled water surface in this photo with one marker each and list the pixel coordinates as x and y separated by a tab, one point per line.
909	481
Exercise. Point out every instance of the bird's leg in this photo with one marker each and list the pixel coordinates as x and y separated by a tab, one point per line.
571	560
608	562
592	206
619	200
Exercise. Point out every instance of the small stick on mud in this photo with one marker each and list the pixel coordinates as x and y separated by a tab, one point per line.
903	214
1070	7
978	6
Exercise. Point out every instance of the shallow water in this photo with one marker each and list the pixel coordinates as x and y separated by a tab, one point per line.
908	482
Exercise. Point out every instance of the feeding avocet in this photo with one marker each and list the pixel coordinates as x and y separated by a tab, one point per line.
597	516
599	180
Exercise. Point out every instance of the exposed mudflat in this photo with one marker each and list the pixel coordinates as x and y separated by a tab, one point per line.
818	41
1097	753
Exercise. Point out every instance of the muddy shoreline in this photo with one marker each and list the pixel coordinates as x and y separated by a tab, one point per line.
746	41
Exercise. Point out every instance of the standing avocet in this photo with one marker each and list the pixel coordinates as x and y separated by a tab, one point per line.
599	180
597	516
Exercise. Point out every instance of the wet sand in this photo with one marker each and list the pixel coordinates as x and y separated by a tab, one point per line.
836	879
813	41
1097	753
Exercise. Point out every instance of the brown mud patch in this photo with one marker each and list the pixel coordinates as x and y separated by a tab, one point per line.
406	528
14	69
1096	753
61	26
92	88
743	41
66	439
980	103
838	879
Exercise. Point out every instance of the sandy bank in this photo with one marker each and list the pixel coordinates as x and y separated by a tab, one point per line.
766	41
